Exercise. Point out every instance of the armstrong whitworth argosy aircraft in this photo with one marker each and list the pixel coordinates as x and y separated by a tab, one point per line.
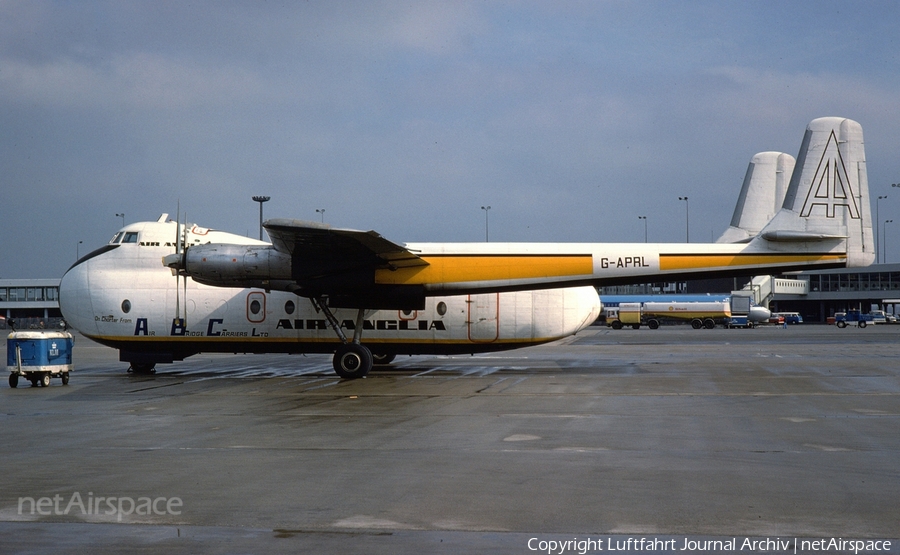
301	292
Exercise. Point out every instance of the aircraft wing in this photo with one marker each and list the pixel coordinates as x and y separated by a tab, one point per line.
326	250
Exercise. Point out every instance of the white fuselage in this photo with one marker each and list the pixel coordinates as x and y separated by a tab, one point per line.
122	296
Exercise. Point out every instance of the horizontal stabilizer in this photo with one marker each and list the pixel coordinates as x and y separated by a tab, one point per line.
798	236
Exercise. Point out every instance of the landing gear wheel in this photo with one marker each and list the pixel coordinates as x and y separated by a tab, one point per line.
696	324
45	380
709	323
13	380
65	378
352	361
382	359
142	368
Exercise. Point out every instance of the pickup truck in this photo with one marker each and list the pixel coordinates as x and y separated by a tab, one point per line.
853	318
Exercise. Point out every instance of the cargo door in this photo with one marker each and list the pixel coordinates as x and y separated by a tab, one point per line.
484	317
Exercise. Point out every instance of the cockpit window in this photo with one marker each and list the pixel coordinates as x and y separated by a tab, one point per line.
117	239
130	237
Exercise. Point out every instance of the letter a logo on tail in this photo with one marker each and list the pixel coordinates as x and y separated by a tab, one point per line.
831	184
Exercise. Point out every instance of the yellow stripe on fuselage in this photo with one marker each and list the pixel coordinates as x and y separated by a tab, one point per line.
494	267
465	268
674	262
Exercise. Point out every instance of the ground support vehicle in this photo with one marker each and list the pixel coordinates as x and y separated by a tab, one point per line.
853	318
39	356
652	314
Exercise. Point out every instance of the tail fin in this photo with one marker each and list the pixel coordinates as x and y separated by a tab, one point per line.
762	195
827	207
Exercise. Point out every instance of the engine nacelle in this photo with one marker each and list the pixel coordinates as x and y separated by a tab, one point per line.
236	265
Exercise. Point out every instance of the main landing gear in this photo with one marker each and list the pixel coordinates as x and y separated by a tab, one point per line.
351	360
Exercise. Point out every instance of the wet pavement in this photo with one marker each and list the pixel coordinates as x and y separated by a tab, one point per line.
669	433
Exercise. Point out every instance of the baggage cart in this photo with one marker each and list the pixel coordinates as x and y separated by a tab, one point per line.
39	356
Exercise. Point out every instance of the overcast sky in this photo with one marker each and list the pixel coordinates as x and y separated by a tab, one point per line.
570	119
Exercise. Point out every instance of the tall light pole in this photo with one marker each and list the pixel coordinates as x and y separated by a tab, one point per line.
261	200
322	212
122	215
687	219
78	250
884	239
877	219
645	226
485	208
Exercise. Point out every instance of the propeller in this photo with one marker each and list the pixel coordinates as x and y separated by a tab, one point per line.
183	236
176	263
177	273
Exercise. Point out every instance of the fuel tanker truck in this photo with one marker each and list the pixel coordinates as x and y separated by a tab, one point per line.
733	312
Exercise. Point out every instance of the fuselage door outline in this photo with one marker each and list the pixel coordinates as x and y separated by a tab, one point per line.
256	307
484	317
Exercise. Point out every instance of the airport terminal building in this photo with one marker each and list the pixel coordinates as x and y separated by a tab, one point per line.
816	295
32	303
821	293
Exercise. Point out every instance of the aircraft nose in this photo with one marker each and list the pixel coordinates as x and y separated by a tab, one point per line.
760	313
75	298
